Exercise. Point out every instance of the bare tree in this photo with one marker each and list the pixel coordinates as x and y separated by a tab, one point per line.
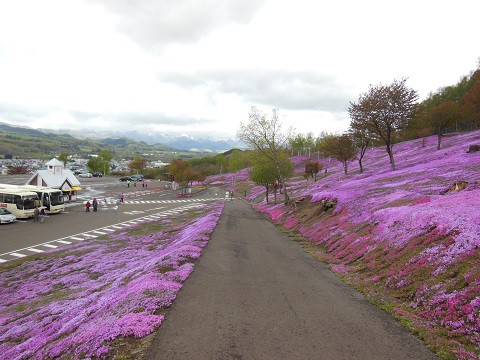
362	139
266	135
385	111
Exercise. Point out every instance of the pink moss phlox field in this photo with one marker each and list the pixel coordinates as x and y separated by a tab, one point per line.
73	305
401	235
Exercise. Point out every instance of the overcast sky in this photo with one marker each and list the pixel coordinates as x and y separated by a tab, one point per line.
197	67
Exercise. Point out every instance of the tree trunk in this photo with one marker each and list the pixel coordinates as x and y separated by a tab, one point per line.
363	150
275	195
282	181
439	140
345	167
390	155
266	192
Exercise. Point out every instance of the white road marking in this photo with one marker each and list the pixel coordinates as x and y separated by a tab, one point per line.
88	234
18	255
35	250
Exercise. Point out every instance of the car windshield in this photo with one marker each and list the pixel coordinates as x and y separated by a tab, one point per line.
4	211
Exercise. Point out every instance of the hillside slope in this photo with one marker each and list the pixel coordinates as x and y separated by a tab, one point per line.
28	143
400	236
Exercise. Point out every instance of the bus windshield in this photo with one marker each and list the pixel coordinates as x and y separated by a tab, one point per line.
56	198
28	202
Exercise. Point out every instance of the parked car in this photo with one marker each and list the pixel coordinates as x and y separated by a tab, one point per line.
77	172
125	178
85	175
136	177
97	174
6	216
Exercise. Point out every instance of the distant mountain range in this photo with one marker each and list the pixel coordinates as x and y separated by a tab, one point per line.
23	142
178	141
169	142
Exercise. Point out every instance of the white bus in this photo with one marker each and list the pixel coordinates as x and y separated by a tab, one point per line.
51	199
19	202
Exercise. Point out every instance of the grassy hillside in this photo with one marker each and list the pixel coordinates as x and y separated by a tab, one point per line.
402	237
29	143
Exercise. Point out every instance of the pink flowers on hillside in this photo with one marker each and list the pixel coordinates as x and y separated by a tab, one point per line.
403	236
75	301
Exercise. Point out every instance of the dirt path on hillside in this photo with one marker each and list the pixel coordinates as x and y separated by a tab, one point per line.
256	295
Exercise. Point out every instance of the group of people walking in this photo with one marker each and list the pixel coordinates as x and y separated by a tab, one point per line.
93	204
39	215
144	183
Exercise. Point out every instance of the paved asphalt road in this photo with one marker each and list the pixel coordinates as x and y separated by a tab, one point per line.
27	234
255	294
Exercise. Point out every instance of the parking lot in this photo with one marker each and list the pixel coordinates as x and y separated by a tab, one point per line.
25	237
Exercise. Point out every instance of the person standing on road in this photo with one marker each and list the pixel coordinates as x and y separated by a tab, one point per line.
36	213
87	206
134	183
122	196
128	183
95	204
42	215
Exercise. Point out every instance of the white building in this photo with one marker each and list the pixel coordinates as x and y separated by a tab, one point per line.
56	177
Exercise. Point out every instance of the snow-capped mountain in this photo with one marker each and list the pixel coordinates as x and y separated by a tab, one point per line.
179	141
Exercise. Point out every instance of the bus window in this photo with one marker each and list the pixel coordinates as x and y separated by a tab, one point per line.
29	201
8	198
45	201
56	198
17	200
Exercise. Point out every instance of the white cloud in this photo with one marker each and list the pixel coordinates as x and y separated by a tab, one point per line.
197	67
157	23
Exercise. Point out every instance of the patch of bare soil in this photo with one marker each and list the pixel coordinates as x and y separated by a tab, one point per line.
307	212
